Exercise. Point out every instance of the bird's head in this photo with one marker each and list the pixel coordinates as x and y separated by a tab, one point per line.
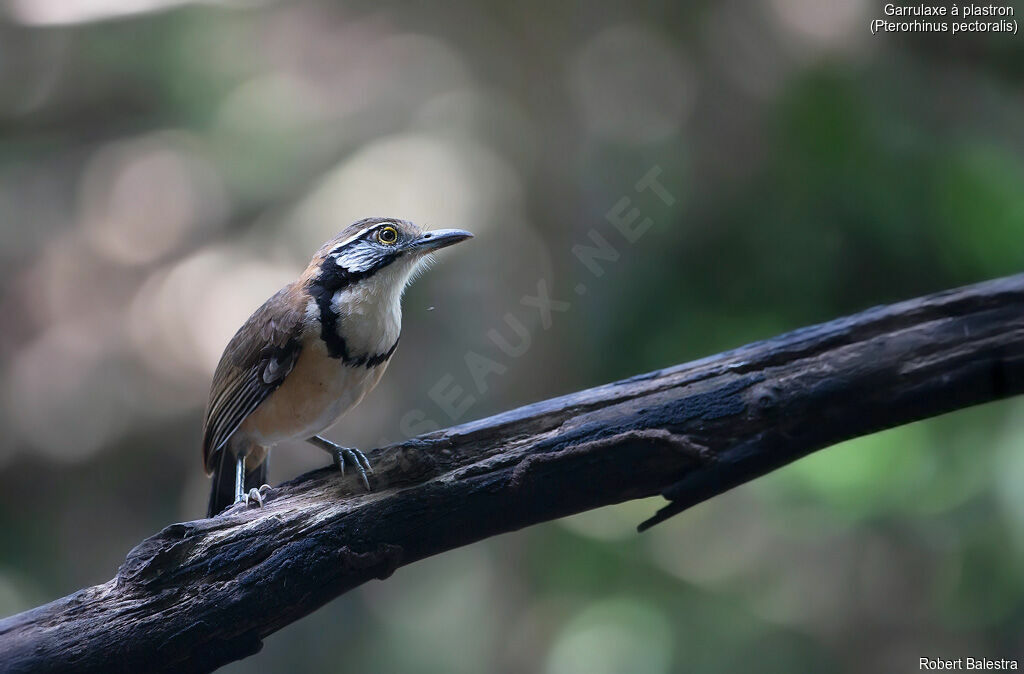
380	254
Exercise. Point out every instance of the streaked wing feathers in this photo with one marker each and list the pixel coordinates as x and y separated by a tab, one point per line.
254	363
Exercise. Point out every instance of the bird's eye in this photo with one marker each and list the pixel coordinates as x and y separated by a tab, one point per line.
387	235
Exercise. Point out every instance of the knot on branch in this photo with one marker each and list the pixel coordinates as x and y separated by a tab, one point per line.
164	551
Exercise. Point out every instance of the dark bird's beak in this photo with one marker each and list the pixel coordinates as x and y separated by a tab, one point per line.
439	238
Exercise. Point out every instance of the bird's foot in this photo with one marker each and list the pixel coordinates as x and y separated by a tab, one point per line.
256	497
340	454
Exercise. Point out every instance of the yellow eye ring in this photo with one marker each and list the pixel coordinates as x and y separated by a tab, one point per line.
387	235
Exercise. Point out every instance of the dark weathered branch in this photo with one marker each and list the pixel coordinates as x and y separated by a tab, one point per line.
200	594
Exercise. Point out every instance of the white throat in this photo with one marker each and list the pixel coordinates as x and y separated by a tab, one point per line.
370	311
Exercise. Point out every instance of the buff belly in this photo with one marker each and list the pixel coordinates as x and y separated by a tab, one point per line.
314	395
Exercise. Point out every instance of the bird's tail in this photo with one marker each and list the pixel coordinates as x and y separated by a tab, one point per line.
222	491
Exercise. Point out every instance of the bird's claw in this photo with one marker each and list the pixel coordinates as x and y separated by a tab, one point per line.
356	457
256	497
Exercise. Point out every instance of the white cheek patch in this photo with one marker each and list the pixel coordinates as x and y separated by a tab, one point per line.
357	258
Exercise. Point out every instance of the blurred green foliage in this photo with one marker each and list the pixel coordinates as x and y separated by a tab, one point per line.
161	173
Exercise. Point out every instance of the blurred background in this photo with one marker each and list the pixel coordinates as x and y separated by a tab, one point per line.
166	166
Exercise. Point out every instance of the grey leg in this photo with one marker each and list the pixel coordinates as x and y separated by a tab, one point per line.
255	496
240	478
339	454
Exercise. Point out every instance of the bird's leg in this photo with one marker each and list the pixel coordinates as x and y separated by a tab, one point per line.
339	454
240	478
255	496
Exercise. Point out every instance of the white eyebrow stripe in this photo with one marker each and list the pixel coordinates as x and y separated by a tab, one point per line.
361	232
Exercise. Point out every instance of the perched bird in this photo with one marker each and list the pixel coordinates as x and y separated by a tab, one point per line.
311	353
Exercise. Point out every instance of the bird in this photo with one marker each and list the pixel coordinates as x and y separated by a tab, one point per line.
311	353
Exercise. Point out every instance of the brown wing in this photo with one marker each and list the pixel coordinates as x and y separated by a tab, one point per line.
254	363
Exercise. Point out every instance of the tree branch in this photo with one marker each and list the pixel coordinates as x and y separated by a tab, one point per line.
200	594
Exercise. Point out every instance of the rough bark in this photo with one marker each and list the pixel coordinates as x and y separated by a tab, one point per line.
200	594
